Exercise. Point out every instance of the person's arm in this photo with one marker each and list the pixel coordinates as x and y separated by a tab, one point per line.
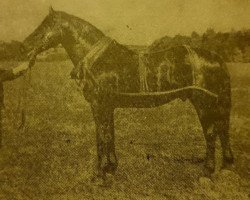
13	73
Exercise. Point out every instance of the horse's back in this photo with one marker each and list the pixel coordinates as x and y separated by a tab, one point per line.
183	66
202	67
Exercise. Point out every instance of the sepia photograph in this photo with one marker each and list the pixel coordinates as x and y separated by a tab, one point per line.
125	100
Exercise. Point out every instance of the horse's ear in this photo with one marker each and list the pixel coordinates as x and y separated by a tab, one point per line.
51	10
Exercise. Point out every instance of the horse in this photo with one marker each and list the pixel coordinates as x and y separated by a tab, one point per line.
113	79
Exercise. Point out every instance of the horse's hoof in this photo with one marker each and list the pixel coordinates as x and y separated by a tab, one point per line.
209	169
107	181
96	179
228	166
110	168
228	163
208	173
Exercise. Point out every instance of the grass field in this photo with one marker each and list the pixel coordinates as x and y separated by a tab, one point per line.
160	150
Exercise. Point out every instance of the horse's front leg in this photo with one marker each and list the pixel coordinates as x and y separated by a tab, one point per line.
104	120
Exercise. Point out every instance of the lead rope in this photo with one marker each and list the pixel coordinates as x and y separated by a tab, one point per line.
81	77
22	104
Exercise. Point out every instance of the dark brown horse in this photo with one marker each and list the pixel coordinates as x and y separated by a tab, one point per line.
111	78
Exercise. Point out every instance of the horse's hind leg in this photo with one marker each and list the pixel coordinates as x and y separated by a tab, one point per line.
208	126
222	129
104	120
210	137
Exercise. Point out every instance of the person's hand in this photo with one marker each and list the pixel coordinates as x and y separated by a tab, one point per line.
32	58
32	61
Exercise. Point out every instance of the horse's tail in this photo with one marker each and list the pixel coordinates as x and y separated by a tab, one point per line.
224	96
223	85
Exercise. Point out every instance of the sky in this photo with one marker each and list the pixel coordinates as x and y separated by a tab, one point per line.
129	21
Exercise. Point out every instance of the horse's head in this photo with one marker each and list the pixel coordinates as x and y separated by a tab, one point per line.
47	35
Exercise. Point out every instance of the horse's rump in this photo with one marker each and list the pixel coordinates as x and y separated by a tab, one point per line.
183	66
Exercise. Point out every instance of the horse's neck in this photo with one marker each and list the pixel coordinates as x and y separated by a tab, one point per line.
76	51
77	46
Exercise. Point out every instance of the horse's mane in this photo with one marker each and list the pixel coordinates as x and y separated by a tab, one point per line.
84	28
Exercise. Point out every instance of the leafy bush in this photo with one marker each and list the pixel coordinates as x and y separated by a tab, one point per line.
232	46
